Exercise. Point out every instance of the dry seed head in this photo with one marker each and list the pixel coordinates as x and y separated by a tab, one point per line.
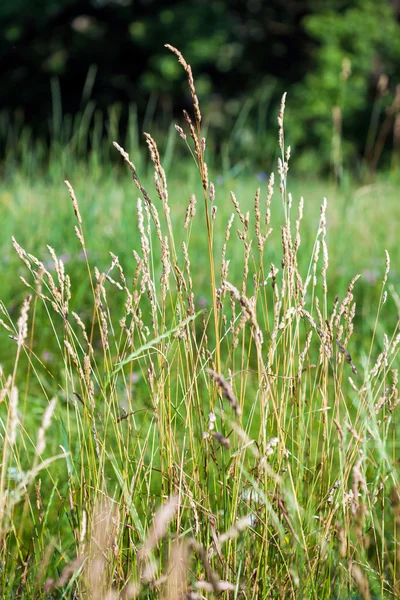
83	526
24	281
67	290
307	315
212	192
74	201
224	269
353	385
72	353
113	282
5	326
87	369
237	207
143	239
322	223
257	217
181	132
178	570
161	520
247	249
380	362
268	199
358	478
79	236
217	588
187	263
41	438
193	135
189	73
381	401
221	439
281	173
13	422
282	110
387	267
116	263
325	264
235	530
346	301
346	355
55	259
228	227
357	436
226	391
21	253
154	154
361	581
66	574
332	491
103	328
125	156
190	211
301	208
159	174
315	261
303	354
242	322
22	323
280	121
166	265
156	219
214	584
135	178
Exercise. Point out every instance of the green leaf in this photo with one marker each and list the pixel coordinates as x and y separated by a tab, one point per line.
150	344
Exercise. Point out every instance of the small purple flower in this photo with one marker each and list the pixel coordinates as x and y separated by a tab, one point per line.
262	176
202	302
371	276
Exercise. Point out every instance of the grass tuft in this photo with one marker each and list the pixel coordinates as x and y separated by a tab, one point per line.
227	433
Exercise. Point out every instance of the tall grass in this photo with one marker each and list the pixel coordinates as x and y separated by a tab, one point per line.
244	447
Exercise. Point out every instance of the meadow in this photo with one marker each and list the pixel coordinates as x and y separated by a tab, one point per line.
199	377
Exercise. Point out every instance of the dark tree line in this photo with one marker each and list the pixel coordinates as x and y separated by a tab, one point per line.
56	55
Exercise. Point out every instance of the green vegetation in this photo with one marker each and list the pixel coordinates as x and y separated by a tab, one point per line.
232	370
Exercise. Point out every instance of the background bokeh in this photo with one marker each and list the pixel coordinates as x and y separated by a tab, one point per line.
98	62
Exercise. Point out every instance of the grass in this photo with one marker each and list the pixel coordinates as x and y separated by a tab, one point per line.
211	414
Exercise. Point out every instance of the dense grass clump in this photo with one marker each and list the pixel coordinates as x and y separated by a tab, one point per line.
214	424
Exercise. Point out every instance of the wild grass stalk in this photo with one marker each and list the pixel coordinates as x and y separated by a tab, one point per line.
244	447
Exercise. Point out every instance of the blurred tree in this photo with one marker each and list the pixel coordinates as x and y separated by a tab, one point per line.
332	108
56	56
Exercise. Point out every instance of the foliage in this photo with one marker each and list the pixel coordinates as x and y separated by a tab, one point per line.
356	45
224	380
74	60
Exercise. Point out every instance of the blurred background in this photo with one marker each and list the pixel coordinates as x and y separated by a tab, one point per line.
78	72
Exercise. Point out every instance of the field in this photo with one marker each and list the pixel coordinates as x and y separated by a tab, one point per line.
199	396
